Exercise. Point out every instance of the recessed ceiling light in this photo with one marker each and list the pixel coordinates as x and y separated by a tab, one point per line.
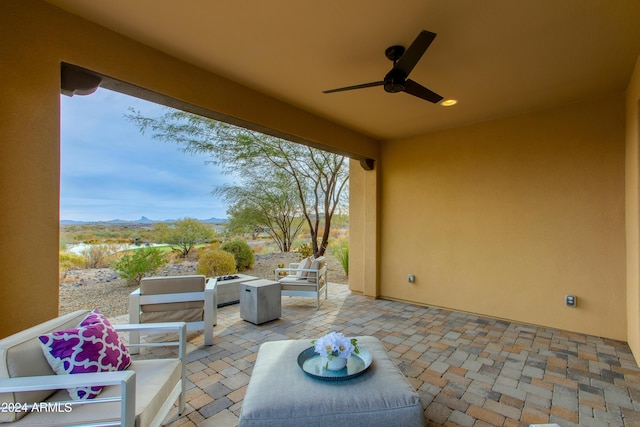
449	102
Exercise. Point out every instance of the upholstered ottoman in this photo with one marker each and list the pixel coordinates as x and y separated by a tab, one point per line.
281	394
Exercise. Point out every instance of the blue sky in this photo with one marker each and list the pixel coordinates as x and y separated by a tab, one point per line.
109	170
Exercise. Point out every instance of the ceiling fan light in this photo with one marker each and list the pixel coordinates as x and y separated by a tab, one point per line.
449	102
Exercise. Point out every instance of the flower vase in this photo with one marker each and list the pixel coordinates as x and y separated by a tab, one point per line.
336	363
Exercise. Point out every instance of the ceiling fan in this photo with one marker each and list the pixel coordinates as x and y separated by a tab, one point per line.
403	62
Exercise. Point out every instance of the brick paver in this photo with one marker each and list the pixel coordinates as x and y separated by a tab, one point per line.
468	370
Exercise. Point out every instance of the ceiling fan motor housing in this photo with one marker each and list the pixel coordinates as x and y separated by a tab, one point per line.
395	81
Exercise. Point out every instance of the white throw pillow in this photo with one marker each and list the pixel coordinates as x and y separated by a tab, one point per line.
305	263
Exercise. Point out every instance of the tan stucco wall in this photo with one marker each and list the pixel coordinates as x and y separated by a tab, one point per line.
633	211
29	175
356	227
504	218
363	229
501	218
35	38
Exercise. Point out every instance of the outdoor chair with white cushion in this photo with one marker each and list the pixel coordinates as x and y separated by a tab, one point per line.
141	394
307	278
189	299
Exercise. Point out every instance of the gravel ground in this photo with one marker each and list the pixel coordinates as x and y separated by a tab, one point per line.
102	288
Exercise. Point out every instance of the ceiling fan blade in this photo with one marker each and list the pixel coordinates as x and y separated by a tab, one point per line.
420	91
412	55
362	86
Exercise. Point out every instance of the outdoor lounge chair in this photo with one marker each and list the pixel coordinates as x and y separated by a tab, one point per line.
307	278
189	299
142	395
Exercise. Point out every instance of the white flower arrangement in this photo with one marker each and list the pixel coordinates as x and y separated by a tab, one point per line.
335	344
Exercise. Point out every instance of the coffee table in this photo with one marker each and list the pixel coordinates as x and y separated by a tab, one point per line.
281	394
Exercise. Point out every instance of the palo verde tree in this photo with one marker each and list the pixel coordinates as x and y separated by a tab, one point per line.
272	202
319	178
244	219
184	234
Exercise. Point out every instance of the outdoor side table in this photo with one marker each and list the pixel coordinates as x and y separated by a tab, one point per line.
260	301
281	394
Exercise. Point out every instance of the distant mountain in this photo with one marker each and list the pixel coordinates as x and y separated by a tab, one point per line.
142	219
214	220
71	222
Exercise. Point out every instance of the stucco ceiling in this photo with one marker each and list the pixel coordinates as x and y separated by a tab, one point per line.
496	57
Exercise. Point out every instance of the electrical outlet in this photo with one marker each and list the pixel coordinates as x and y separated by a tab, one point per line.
571	300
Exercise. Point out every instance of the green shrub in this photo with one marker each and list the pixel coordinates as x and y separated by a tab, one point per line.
341	251
135	265
69	261
242	253
215	262
305	250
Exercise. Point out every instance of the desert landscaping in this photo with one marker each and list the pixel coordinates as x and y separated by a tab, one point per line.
102	288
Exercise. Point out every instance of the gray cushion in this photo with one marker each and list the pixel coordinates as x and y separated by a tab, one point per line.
188	315
306	287
188	311
172	284
281	394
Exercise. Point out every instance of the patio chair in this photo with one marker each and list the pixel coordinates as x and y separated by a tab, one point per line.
189	299
307	278
31	393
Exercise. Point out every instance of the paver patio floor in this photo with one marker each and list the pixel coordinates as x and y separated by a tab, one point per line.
468	370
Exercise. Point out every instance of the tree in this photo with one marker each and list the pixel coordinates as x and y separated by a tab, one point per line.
319	178
184	234
244	219
273	203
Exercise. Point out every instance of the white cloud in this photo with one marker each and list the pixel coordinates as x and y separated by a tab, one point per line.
110	170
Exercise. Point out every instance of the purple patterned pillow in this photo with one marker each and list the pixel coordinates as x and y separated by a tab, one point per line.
94	346
118	354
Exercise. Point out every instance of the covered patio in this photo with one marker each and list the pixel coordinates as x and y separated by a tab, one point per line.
499	207
468	370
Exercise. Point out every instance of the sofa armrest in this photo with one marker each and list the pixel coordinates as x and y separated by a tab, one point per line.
125	379
286	270
290	270
151	328
210	309
160	328
294	271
